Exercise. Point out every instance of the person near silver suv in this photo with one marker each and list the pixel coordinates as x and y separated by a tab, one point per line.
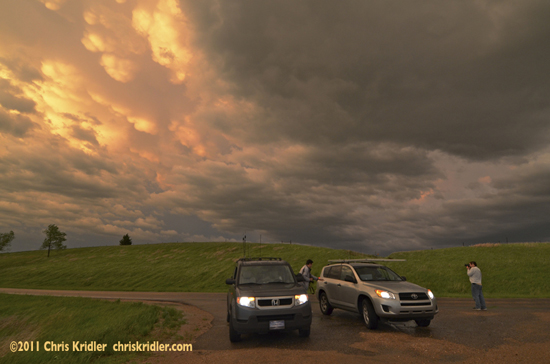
375	291
265	295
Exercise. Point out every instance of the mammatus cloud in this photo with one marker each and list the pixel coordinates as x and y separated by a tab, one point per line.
369	126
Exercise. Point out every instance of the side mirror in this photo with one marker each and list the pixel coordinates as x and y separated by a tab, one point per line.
229	281
349	278
404	278
300	277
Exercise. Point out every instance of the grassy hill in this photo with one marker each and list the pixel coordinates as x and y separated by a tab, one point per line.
510	270
187	267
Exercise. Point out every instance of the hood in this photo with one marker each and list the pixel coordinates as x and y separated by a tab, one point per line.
271	289
396	286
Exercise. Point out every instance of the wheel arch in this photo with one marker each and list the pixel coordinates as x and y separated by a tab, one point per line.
359	302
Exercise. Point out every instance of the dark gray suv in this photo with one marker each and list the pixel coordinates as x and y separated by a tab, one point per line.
265	295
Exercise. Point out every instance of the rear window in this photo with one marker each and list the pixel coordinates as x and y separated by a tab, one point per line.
333	272
377	274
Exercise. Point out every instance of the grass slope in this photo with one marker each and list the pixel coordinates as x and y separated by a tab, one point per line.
186	267
63	320
509	270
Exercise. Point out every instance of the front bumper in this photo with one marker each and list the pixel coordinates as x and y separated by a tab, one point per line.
252	320
395	310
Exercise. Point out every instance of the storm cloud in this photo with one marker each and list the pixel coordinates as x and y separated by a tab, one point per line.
372	126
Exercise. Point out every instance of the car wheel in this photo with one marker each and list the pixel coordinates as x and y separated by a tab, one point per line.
324	304
304	332
423	322
234	336
369	315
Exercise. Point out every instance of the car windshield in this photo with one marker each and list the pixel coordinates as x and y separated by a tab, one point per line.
262	274
377	274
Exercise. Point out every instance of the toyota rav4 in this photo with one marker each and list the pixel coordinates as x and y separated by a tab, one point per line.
376	292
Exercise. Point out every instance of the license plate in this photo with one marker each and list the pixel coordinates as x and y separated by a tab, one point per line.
277	325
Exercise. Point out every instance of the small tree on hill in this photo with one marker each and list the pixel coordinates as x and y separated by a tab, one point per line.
126	240
6	239
54	238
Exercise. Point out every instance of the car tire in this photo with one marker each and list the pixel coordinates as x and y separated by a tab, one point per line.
423	322
234	336
228	316
304	332
324	304
369	314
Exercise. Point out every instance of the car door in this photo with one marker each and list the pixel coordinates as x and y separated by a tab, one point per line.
331	279
347	291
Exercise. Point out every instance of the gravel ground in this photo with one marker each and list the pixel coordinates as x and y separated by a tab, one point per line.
511	331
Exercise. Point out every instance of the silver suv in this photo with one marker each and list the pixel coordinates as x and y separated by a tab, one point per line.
375	291
265	295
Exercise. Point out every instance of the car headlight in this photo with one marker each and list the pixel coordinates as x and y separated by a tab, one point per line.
385	294
246	301
300	299
431	295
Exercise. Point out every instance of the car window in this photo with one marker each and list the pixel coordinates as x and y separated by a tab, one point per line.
261	274
346	271
377	274
334	272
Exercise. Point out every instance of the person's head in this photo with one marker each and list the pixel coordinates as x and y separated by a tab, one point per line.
309	263
473	264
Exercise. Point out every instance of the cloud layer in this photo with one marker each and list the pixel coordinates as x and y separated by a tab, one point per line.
364	125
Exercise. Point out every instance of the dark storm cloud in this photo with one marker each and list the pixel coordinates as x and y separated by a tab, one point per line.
86	135
376	125
23	71
16	125
468	79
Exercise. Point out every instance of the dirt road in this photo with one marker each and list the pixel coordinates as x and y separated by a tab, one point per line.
511	331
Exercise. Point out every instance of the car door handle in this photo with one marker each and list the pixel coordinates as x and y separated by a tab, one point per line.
339	285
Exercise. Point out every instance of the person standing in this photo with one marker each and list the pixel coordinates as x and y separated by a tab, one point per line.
306	273
474	273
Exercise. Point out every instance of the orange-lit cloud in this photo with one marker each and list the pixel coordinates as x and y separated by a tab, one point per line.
166	28
120	69
53	4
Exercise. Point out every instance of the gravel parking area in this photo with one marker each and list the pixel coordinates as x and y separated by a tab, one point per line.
511	331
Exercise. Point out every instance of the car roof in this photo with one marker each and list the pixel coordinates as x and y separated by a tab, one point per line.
356	264
261	261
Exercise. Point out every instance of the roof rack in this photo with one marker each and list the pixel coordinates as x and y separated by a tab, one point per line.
258	258
333	261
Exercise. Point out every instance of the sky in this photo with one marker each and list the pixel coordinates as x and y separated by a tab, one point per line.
375	126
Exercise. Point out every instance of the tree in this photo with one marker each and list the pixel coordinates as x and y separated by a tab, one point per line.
6	239
54	238
126	240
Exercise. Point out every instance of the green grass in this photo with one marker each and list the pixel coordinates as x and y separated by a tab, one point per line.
61	320
509	270
185	267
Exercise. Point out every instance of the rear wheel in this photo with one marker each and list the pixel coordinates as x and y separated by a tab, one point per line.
324	304
369	315
234	336
423	322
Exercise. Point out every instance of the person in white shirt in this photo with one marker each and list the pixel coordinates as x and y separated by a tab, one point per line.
474	273
306	273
